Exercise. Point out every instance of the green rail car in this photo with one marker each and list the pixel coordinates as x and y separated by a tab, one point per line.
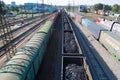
111	42
25	64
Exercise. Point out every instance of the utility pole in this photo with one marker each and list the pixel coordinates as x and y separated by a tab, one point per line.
0	6
69	5
43	6
1	9
37	4
21	8
73	6
103	9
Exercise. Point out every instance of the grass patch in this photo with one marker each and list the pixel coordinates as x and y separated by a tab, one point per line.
27	15
94	16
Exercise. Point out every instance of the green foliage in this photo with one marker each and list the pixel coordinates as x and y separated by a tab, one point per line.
107	8
15	8
11	12
116	8
98	6
3	8
119	10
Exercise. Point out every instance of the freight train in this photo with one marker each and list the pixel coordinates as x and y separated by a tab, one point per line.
25	64
74	65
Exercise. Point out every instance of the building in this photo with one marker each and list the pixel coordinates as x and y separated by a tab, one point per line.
13	3
82	8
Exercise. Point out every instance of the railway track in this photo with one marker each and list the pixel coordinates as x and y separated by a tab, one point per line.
70	43
33	25
25	64
17	20
14	21
26	23
98	67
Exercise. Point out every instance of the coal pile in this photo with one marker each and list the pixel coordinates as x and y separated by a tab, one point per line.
65	20
70	45
66	26
75	72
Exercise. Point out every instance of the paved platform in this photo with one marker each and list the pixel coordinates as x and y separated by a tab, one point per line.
109	60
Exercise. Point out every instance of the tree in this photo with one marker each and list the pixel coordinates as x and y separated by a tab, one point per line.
3	8
98	6
15	8
107	8
116	8
119	9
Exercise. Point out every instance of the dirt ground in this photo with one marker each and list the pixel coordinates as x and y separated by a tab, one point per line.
94	16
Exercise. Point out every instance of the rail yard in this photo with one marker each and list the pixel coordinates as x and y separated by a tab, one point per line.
58	46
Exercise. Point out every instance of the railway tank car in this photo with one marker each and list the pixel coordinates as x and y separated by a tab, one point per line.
92	26
25	64
109	39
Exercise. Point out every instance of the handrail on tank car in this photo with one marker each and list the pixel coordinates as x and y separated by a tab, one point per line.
116	21
113	24
100	33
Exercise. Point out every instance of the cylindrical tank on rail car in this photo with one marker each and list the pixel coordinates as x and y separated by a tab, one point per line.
111	42
92	26
25	64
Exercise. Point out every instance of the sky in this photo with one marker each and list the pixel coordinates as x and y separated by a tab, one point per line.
66	2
